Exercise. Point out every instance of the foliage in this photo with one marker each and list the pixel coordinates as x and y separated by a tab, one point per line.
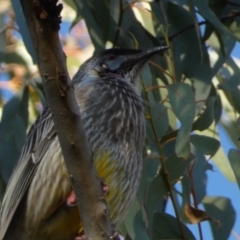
185	91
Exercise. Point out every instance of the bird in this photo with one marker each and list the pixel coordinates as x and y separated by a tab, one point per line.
35	204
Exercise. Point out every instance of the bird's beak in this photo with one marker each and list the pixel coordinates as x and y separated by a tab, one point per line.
140	58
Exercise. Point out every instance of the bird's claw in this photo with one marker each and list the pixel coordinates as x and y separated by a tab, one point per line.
72	200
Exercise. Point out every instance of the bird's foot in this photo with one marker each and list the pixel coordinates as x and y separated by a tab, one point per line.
80	237
105	187
115	236
72	200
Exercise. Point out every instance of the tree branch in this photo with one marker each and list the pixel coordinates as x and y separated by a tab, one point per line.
42	17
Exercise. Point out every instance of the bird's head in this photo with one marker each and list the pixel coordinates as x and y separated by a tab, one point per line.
126	63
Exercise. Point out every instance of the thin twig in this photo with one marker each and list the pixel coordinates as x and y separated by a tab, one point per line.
194	199
232	3
164	170
233	14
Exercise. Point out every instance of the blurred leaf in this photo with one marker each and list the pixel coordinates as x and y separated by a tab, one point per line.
232	81
16	105
166	227
86	10
195	20
234	159
2	38
14	57
222	48
115	18
206	145
146	18
182	101
23	29
229	82
206	12
235	29
36	83
71	3
13	126
11	143
220	208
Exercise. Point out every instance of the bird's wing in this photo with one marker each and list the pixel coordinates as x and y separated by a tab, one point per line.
39	138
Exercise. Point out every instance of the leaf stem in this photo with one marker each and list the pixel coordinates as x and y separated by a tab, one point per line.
164	170
194	198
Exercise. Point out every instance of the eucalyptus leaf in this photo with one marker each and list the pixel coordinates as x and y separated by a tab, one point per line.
206	145
21	21
166	227
221	209
234	159
182	101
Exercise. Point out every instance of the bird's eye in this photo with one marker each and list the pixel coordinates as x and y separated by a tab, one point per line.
111	57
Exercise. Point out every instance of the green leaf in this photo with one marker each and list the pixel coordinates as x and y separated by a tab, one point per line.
129	219
115	18
234	159
232	79
166	226
146	76
150	168
2	37
85	9
160	119
223	46
206	145
199	176
187	50
134	223
206	118
209	15
36	83
189	213
12	140
17	105
140	227
182	101
220	208
156	191
23	29
13	131
176	166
